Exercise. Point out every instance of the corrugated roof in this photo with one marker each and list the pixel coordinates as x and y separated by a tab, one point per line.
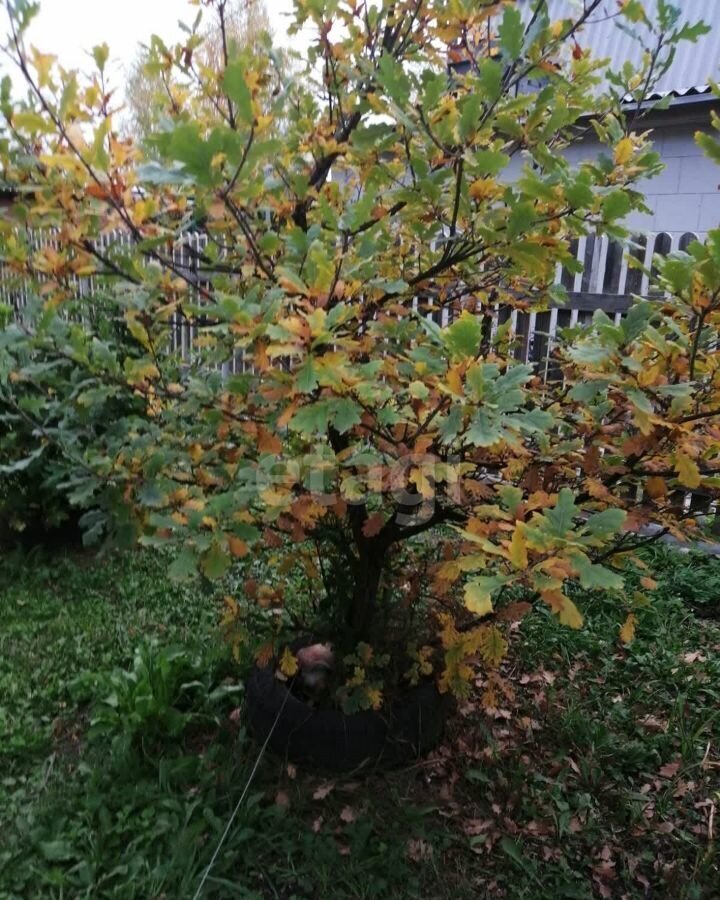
694	63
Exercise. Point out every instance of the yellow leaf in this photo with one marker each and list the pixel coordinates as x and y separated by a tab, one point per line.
448	571
688	472
137	329
656	487
518	548
454	380
627	631
43	63
624	151
143	371
484	189
422	483
478	599
288	663
570	615
374	697
493	646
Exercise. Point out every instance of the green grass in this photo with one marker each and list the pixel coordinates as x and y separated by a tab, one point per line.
122	756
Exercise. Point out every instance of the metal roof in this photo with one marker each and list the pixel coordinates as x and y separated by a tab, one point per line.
694	65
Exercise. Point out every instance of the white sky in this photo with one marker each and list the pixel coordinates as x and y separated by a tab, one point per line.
70	28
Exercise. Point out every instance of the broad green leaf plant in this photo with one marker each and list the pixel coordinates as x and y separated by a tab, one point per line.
342	398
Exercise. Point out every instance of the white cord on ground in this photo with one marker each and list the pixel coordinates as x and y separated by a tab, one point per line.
225	833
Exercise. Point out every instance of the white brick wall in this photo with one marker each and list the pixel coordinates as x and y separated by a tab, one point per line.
685	196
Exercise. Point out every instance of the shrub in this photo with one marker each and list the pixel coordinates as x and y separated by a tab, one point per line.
429	477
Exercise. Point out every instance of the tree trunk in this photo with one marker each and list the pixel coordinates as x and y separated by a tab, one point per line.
363	604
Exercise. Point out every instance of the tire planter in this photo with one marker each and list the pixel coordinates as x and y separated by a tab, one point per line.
328	738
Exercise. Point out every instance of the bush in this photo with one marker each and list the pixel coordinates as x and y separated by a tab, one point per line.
423	474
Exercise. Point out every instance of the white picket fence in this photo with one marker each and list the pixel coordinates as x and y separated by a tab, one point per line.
607	282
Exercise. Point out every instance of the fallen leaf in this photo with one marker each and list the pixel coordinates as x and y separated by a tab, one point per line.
419	850
347	815
669	770
322	792
627	631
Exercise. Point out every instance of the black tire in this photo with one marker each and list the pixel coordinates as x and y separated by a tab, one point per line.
329	739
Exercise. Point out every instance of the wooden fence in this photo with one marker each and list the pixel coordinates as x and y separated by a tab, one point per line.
607	282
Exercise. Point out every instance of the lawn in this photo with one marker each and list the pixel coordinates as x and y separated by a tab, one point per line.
123	753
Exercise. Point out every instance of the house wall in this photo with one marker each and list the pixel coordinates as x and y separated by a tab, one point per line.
685	196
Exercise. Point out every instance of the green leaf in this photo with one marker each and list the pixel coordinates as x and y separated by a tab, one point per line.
394	80
183	567
56	851
483	432
490	79
21	464
464	336
344	414
709	146
636	319
615	205
479	591
311	419
451	425
522	217
579	193
511	32
640	401
595	576
561	516
215	563
390	286
236	88
634	11
306	377
469	116
490	162
189	148
606	523
533	420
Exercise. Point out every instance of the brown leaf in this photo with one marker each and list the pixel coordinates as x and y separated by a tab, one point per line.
669	770
656	487
282	800
237	547
347	815
419	850
268	442
373	525
651	723
322	792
